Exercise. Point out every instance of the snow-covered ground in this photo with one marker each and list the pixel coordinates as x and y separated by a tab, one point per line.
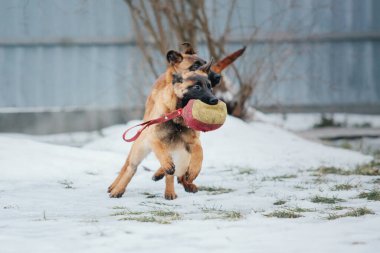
53	197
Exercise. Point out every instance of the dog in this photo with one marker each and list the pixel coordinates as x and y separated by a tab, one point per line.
176	146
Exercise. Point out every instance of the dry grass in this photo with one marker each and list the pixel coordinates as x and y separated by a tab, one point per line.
372	195
279	178
343	187
219	213
215	190
354	212
284	214
326	200
279	202
369	169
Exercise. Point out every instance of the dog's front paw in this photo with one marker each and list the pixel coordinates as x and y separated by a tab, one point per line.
116	193
190	188
158	176
170	170
170	195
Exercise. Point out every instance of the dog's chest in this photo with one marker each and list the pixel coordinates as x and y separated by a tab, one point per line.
172	133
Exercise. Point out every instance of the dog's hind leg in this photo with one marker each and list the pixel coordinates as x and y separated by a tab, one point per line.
138	152
117	179
169	188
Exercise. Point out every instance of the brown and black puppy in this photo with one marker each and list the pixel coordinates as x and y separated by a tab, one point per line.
176	146
181	63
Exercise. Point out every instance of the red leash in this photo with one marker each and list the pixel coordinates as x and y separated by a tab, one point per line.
166	117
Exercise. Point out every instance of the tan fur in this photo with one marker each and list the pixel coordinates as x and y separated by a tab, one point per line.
163	99
181	153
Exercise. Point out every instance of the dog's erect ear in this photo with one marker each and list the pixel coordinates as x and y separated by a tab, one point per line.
207	67
229	59
188	48
214	78
174	57
177	78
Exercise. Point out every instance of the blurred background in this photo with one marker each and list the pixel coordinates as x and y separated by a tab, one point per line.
81	65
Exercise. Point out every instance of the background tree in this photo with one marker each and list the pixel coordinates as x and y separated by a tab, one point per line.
160	25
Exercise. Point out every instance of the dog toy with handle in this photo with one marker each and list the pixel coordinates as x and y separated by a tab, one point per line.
203	117
196	114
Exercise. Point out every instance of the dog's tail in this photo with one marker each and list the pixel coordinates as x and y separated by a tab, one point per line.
225	62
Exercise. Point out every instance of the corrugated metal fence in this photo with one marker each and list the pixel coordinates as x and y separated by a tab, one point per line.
78	55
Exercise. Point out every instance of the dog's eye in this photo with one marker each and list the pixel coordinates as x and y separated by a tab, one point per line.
194	67
197	87
209	86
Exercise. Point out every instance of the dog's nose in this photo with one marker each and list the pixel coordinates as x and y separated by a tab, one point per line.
213	101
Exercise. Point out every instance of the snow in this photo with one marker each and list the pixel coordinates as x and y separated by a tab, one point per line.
53	197
304	121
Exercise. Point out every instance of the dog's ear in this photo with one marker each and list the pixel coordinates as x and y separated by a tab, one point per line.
177	78
188	48
207	67
214	78
174	57
228	60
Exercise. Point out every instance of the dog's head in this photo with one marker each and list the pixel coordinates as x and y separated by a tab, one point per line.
189	61
194	85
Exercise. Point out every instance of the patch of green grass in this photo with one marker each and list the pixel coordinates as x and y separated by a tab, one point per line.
346	145
327	122
126	212
279	202
338	208
232	215
343	187
219	213
155	216
354	212
372	195
164	213
279	178
369	169
227	215
300	187
333	170
212	209
326	200
300	209
145	219
284	214
215	190
164	204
